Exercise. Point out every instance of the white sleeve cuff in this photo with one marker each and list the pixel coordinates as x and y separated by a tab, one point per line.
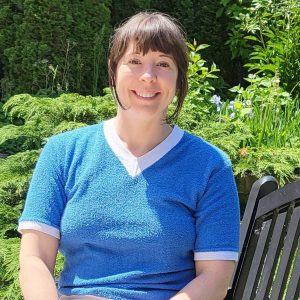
39	227
217	255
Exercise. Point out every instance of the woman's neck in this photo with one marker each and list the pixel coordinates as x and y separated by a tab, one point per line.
140	137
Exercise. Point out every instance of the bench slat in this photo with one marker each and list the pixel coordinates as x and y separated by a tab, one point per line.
294	284
290	245
266	279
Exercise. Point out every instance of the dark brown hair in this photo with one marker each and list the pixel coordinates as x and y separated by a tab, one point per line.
151	31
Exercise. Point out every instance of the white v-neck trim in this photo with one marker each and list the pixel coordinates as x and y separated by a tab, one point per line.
135	165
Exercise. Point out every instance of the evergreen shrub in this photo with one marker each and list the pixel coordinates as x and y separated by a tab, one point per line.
55	46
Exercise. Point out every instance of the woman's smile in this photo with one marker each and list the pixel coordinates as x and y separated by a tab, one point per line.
146	95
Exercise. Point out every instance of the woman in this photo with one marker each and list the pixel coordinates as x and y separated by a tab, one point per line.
139	208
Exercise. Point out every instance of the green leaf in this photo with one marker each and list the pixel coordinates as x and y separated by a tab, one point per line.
245	111
252	38
202	46
219	12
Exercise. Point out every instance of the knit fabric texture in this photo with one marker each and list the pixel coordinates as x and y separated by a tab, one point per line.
132	237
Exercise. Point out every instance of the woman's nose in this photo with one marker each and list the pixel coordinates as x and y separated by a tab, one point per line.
148	74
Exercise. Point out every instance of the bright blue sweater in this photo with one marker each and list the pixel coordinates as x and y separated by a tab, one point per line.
126	237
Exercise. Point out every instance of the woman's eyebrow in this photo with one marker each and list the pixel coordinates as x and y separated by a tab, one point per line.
166	55
160	55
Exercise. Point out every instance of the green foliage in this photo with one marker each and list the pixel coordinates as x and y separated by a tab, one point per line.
56	46
267	121
272	116
228	136
9	269
89	33
8	219
201	78
199	114
66	107
15	173
58	265
10	19
36	118
235	10
18	138
3	119
200	87
281	162
121	10
181	10
266	34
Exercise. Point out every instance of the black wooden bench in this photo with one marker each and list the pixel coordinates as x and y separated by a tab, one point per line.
269	264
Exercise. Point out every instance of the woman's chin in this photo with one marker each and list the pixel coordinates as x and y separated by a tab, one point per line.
143	113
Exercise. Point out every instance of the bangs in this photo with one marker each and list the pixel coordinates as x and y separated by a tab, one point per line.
150	32
151	37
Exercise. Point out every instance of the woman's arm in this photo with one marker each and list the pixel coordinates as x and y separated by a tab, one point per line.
37	260
211	283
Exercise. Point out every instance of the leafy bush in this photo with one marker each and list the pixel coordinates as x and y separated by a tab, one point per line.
265	33
267	120
199	75
9	266
280	162
56	46
273	117
35	118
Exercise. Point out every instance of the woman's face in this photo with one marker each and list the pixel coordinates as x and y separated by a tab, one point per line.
145	84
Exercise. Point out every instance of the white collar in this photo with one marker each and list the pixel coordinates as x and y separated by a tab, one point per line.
135	165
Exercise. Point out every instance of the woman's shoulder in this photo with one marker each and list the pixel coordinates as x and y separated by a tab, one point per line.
84	132
199	147
77	140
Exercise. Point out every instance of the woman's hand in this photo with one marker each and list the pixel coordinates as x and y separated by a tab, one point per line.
37	260
211	283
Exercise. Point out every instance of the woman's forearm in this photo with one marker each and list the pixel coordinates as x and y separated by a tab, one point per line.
211	283
36	280
203	287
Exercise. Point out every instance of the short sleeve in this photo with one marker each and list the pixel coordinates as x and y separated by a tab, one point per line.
218	218
46	197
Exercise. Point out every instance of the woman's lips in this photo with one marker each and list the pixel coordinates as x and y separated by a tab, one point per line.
145	95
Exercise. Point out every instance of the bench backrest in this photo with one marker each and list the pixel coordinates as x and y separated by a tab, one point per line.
269	264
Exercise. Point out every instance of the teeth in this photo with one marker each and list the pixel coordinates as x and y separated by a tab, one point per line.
145	94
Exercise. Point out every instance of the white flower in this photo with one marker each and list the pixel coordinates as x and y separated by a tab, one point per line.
217	101
231	105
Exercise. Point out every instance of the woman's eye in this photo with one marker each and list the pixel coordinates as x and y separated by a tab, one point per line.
164	64
134	62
